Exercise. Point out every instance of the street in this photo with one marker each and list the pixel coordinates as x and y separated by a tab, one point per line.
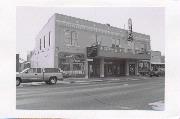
133	94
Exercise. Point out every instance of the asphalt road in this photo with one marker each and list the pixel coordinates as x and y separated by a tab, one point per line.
107	95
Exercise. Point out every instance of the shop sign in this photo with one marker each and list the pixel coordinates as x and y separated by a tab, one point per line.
89	59
76	60
92	51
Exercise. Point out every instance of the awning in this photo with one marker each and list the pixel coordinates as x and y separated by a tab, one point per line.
157	63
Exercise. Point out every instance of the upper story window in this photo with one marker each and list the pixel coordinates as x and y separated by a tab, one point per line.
99	40
67	37
74	40
49	38
71	38
40	43
44	41
115	42
142	46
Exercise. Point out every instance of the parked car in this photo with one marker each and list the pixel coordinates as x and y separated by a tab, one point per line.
47	75
155	73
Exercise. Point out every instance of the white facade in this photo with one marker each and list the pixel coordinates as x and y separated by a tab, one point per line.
43	55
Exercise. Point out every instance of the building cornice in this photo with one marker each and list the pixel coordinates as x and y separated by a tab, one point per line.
89	28
99	30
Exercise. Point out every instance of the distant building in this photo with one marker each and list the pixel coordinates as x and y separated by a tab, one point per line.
155	57
24	65
157	61
89	49
162	59
21	64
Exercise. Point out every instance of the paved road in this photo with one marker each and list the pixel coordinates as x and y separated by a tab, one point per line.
117	95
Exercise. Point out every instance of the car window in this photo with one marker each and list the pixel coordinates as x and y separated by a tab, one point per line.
51	70
38	70
34	70
30	71
25	71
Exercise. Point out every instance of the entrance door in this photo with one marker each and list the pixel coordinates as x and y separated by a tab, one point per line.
94	70
131	69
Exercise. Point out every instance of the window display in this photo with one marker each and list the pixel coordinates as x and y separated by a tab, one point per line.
72	63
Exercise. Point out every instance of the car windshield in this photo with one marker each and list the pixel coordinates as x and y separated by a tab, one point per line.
51	70
24	70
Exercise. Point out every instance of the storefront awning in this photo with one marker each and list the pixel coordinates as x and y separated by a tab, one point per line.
157	63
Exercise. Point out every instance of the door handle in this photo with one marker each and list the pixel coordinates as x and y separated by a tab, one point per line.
35	74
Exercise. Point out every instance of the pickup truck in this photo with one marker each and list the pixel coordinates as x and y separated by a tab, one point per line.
47	75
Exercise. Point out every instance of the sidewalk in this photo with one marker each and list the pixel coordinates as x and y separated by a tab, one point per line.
122	78
90	80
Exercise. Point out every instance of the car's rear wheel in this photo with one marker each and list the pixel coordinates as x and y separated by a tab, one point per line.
53	80
18	81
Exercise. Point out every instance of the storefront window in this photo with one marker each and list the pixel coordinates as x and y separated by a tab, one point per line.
143	66
73	64
77	66
65	67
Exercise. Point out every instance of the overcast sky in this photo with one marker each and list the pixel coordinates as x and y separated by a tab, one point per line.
147	20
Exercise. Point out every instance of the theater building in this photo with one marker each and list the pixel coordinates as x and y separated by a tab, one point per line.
84	48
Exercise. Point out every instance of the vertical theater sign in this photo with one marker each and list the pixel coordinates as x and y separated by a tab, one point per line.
143	65
130	36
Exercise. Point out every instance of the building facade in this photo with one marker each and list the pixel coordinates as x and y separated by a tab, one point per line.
155	57
84	48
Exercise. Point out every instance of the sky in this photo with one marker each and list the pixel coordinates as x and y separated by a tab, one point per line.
147	20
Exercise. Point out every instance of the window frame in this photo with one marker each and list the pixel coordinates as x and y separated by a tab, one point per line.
67	35
74	38
40	44
117	42
113	42
49	38
44	41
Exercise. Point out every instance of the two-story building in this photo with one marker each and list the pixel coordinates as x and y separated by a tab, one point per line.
84	48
